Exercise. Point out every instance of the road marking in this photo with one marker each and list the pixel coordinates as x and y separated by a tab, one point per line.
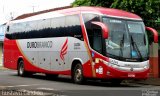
19	86
49	89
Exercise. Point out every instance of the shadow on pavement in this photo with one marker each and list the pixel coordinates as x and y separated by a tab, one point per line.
67	79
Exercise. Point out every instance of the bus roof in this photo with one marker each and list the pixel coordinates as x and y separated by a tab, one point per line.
105	11
117	13
98	10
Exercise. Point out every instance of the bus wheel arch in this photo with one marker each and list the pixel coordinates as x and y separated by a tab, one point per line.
77	72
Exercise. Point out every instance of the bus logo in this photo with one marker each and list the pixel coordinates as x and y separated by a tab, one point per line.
64	49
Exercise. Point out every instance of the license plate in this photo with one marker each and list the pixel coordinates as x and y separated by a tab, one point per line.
131	75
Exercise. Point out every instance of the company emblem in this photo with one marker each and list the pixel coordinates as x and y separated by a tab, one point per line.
64	48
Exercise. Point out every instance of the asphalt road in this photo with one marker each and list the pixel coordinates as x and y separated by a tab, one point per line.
39	85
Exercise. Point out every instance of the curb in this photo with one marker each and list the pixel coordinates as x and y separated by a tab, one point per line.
150	81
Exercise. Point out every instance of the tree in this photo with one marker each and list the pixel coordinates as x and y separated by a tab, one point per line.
81	3
103	3
149	10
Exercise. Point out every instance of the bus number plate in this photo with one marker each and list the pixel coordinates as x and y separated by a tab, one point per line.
131	75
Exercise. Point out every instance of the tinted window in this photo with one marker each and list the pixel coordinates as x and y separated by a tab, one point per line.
88	18
54	27
57	27
73	27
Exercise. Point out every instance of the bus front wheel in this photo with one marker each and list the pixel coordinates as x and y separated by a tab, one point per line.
78	74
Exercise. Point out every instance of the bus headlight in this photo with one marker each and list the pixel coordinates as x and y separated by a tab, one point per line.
147	66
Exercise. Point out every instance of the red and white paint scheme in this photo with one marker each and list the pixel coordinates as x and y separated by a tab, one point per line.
84	42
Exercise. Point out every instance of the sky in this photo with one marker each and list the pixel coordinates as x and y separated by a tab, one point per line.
13	8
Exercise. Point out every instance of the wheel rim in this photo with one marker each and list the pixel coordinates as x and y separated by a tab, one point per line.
21	69
78	75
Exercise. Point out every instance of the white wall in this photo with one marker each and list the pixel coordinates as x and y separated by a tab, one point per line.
1	48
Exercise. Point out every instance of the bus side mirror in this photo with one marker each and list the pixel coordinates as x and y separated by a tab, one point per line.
104	28
155	33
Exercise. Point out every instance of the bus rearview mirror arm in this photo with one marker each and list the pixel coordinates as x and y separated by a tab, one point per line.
155	33
105	30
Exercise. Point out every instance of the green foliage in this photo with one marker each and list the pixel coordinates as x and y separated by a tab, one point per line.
149	10
102	3
81	3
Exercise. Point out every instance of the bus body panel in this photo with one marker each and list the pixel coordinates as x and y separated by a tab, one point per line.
56	55
45	53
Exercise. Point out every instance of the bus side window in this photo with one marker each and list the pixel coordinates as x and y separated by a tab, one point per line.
58	27
73	27
93	32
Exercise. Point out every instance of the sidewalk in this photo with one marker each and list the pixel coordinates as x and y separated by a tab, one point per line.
2	68
150	81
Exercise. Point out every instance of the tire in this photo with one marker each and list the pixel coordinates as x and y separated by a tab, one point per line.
78	77
21	71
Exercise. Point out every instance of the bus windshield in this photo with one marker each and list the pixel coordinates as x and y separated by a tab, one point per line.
127	39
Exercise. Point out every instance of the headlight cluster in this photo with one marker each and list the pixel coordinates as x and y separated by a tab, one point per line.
128	66
147	66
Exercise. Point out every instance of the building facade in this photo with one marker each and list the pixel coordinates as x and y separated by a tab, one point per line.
2	31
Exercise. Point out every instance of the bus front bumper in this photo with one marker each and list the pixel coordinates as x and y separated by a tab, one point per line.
112	73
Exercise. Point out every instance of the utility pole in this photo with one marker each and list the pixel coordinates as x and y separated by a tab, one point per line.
33	8
11	14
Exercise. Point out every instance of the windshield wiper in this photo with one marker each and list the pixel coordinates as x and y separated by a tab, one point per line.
136	47
121	46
